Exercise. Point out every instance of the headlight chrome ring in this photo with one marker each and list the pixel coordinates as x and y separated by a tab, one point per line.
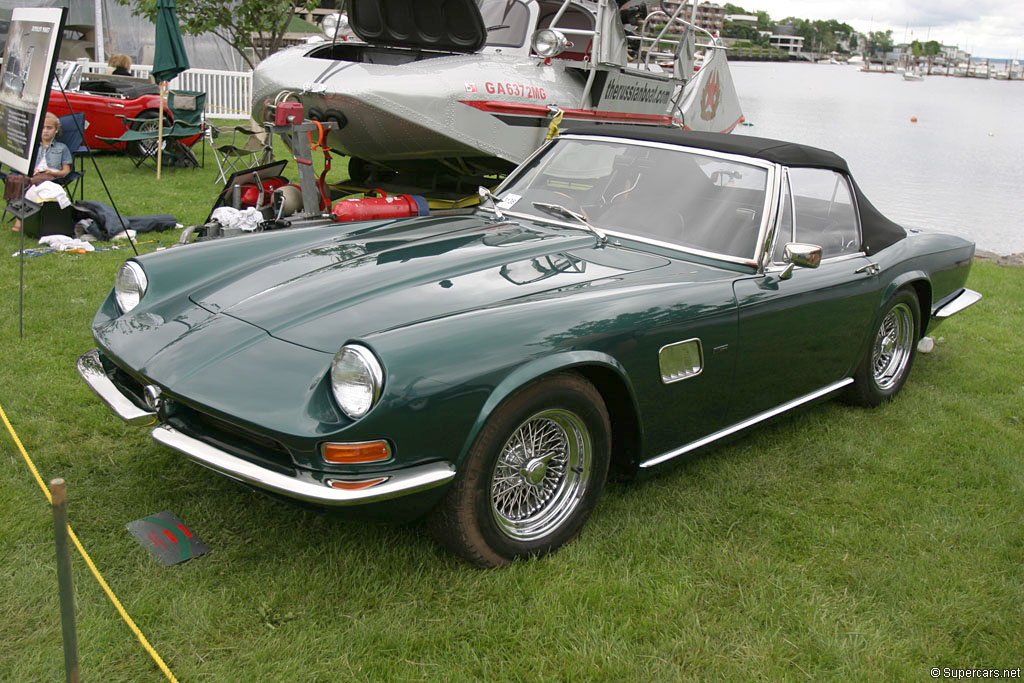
130	285
356	380
549	42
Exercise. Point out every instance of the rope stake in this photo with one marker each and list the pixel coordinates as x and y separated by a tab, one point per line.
85	556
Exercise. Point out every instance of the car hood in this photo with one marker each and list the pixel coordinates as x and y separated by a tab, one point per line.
354	285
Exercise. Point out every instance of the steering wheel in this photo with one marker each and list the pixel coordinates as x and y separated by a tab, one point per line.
556	197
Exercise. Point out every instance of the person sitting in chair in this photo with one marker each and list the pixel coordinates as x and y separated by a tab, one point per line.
53	160
121	64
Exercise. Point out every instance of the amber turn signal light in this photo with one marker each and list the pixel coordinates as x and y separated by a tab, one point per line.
356	453
355	485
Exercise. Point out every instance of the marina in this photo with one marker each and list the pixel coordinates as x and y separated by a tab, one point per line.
944	154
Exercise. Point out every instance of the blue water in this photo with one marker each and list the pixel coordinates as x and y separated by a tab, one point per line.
958	169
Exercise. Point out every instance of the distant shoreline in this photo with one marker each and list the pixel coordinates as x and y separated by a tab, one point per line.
1000	259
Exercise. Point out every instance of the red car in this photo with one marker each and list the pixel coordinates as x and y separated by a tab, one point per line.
103	100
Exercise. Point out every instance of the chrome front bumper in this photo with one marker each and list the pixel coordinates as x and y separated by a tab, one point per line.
388	485
91	370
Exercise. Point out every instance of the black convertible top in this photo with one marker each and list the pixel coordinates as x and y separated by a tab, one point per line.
878	231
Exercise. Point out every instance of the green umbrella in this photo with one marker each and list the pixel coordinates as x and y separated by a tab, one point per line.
169	60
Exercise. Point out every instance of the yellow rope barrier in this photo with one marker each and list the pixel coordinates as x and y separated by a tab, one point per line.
88	560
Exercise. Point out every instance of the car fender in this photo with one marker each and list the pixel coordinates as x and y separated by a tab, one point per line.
902	280
536	369
922	286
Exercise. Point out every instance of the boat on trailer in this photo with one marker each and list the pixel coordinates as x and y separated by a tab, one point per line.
469	88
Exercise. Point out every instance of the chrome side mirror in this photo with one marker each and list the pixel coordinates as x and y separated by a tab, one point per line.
800	255
487	195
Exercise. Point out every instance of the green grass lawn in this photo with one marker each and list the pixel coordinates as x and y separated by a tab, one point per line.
836	542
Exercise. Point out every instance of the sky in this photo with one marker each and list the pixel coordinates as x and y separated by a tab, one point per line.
985	28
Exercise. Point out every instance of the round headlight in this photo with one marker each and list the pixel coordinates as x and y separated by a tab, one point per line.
356	380
129	285
549	42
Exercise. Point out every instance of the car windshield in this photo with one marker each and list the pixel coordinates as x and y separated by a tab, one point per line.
683	197
506	21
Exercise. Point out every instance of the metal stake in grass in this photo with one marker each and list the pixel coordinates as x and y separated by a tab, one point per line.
67	589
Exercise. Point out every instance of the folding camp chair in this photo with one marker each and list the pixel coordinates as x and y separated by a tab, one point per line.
238	147
186	109
72	134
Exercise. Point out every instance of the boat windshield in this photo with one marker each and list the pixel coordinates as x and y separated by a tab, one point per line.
683	197
507	22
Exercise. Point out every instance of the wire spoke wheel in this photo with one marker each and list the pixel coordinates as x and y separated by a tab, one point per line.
541	474
893	346
886	363
147	122
532	476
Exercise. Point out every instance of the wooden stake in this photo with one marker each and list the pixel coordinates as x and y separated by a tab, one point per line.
65	586
160	133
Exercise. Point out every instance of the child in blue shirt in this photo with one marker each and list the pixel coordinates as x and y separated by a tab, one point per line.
53	160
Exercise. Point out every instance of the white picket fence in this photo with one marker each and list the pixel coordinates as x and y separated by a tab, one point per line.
228	93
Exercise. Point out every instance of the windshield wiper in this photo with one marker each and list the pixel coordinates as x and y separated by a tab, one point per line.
559	210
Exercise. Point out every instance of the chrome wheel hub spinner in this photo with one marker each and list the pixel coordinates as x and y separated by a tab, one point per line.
541	474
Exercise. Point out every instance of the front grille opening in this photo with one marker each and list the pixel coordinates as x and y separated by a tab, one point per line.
128	385
238	441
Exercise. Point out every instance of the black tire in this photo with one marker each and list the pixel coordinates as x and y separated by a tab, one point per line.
362	171
146	121
885	367
358	169
506	503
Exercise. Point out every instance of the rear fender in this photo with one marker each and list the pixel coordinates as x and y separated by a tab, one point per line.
919	281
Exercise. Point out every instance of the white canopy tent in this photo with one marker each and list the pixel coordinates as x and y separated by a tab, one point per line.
121	32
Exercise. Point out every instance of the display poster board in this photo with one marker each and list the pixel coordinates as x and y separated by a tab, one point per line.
33	41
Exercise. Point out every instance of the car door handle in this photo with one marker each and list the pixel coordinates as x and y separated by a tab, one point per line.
870	269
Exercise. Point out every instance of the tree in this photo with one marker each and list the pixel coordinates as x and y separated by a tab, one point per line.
256	25
879	41
929	49
740	31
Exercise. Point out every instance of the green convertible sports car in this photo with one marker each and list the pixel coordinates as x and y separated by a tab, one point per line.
626	296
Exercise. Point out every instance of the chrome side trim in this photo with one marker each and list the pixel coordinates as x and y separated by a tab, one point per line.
965	298
91	370
749	422
398	483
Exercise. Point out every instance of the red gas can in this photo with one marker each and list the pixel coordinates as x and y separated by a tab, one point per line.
373	208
